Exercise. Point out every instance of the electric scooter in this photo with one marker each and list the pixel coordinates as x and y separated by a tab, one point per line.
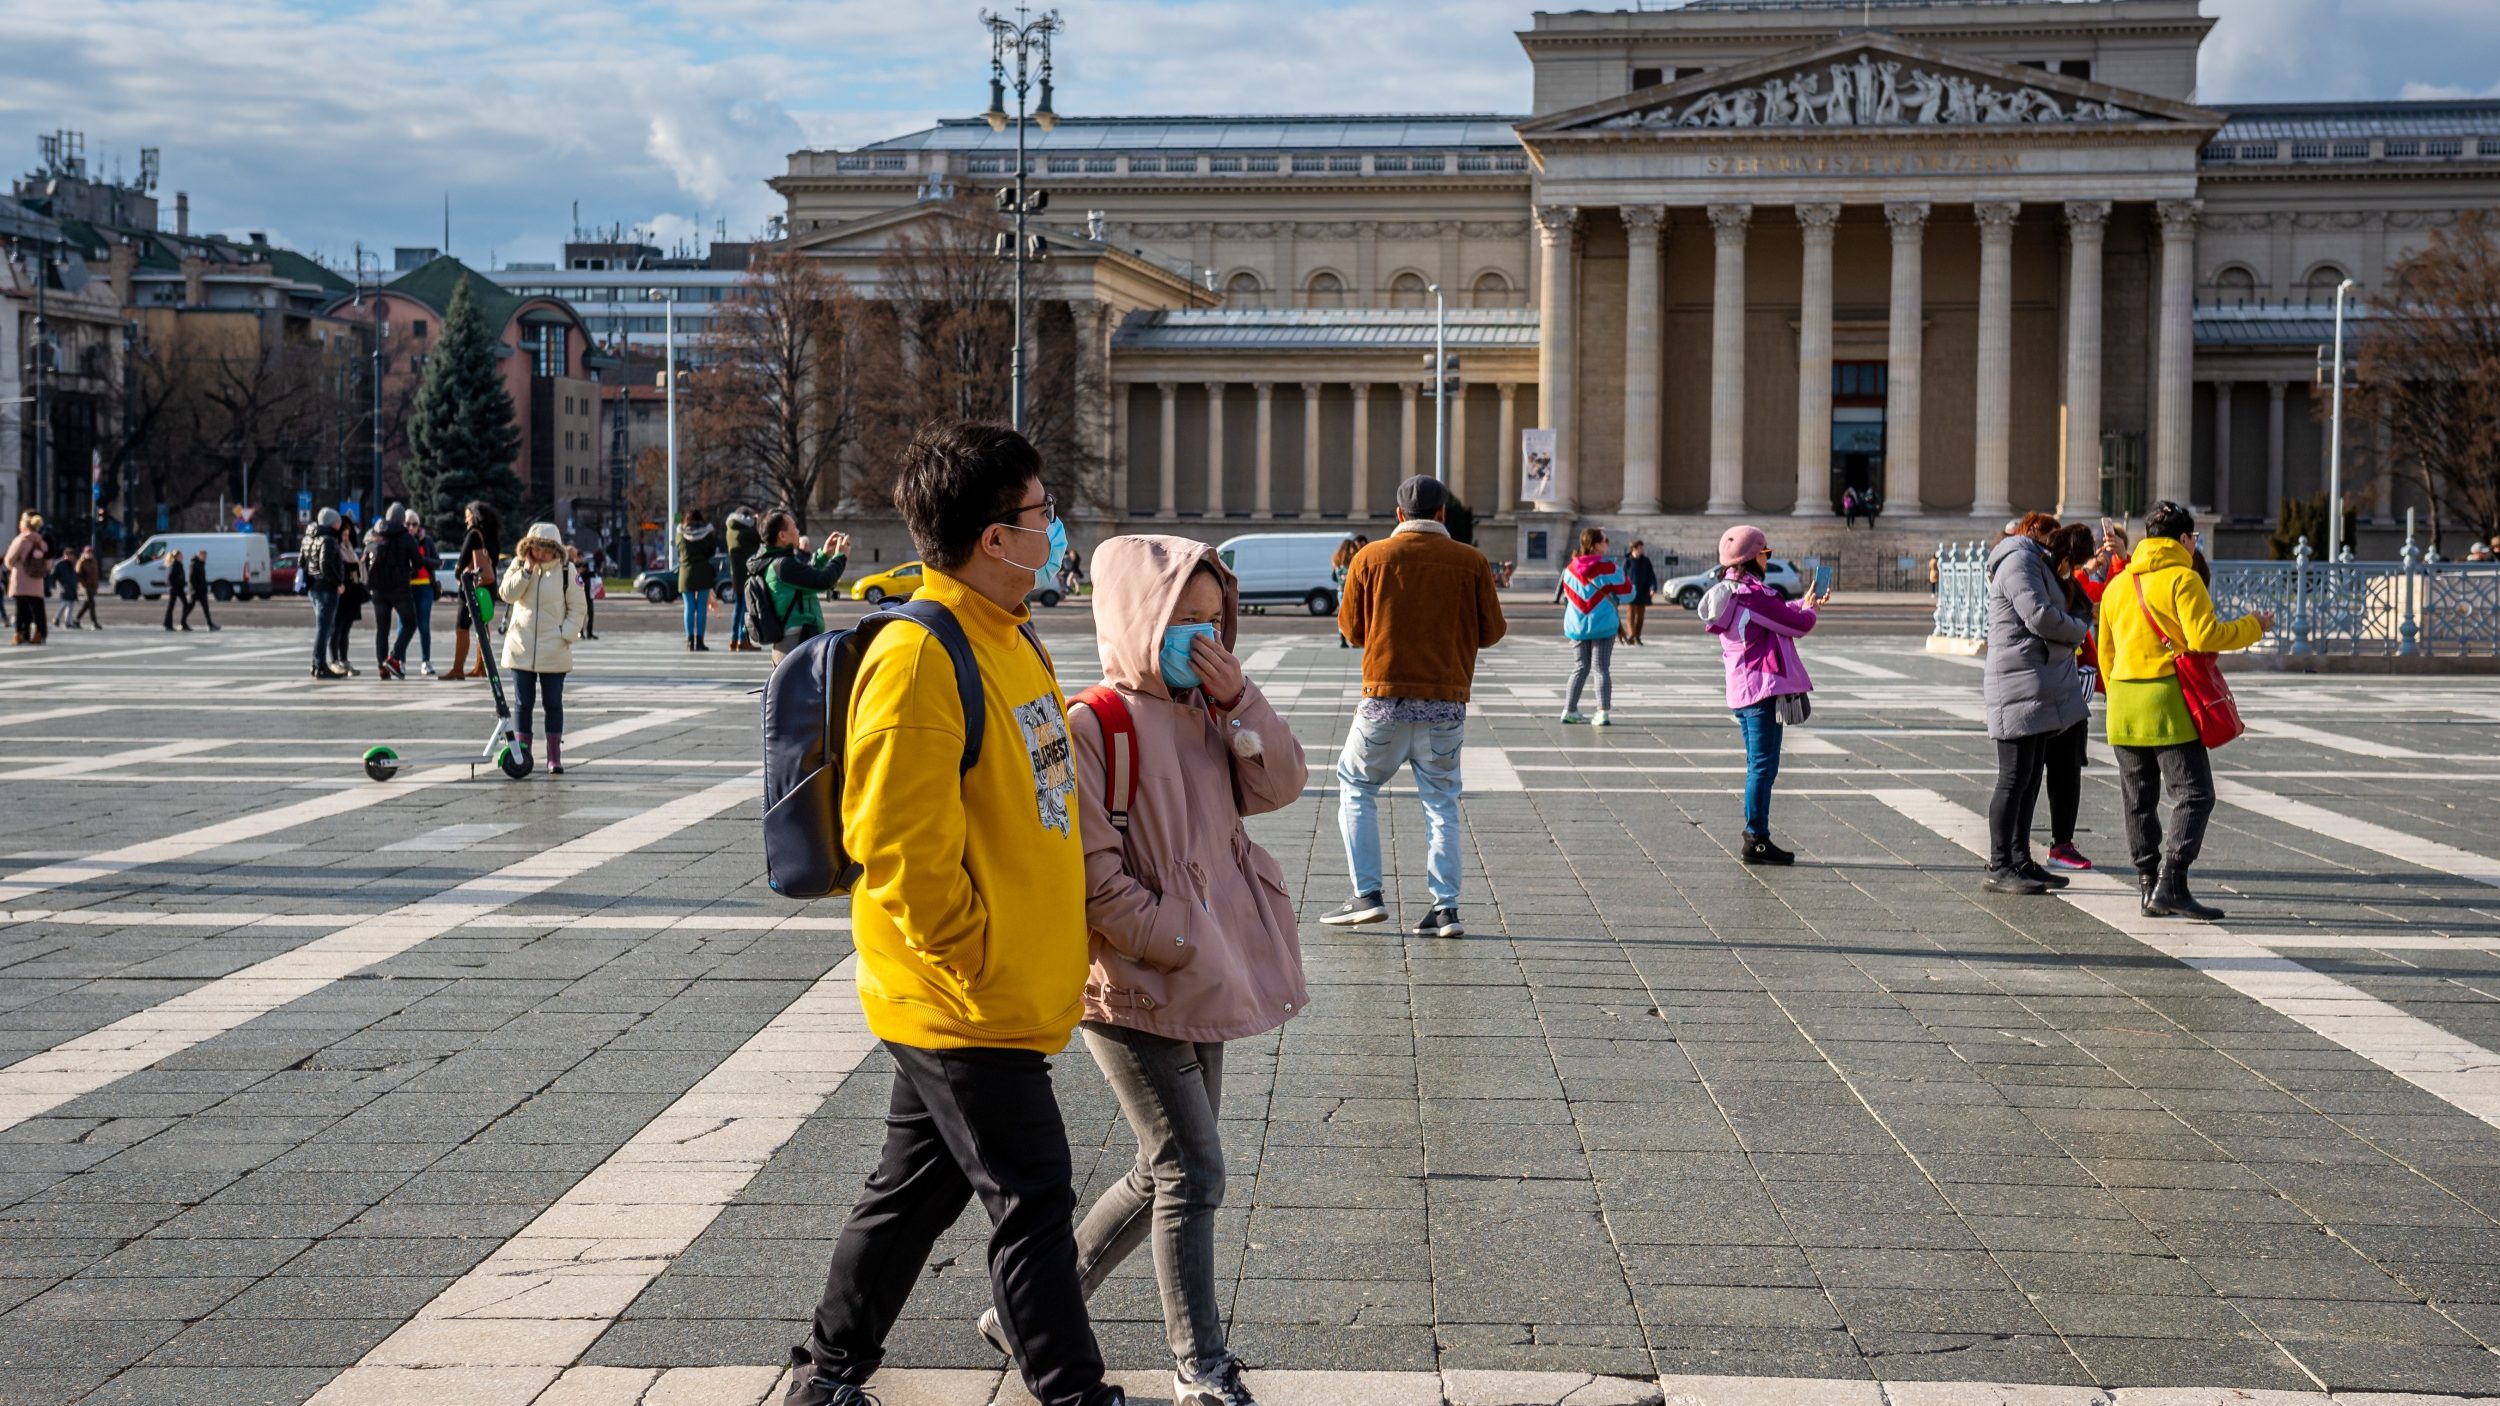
503	746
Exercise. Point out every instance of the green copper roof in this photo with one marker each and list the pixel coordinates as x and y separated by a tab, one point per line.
432	284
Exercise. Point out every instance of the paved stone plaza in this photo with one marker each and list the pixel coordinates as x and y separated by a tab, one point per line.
468	1093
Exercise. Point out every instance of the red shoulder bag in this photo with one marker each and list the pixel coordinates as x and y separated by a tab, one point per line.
2208	694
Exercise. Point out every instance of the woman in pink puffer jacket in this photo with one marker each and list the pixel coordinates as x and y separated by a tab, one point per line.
1766	680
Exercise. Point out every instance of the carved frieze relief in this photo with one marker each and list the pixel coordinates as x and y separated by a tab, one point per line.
1867	92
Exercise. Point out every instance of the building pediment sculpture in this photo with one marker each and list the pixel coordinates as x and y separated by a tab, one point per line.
1873	92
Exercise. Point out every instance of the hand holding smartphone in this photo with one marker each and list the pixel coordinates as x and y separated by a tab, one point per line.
1823	571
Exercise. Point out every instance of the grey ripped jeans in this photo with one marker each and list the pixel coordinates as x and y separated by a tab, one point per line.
1170	1090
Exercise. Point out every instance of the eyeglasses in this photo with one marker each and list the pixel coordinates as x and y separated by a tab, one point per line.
1049	506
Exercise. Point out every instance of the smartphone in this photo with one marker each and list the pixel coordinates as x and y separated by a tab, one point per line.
1822	578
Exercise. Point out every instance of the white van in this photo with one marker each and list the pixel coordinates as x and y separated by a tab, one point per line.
1282	567
238	564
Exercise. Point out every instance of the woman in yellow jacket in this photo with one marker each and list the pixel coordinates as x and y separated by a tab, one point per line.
2161	761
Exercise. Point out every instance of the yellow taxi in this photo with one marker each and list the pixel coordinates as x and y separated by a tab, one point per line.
896	583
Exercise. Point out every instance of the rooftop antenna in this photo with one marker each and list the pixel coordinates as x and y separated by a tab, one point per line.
446	222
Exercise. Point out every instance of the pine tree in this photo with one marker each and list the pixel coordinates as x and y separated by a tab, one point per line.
461	435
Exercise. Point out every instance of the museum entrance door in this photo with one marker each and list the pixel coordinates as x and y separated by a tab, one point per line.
1858	393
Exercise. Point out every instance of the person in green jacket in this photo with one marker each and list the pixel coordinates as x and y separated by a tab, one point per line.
796	576
695	575
739	533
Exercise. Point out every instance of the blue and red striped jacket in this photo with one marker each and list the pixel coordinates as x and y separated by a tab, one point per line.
1591	586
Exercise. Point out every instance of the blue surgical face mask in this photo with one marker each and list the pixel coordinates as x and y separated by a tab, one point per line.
1178	672
1048	571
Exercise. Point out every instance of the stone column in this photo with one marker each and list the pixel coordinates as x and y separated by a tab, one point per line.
1167	485
1310	449
1361	504
1409	395
2174	427
1265	503
2080	494
1727	359
1993	496
1558	332
2222	450
2275	391
1215	450
1505	494
1818	223
1116	448
1643	362
1458	445
1907	350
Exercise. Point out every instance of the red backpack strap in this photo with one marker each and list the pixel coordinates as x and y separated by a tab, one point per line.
1119	750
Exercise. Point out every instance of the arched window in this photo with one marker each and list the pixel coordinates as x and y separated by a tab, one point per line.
1323	290
1244	289
2236	281
1492	289
1408	290
2323	281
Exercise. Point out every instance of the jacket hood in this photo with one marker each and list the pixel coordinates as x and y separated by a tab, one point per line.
2160	554
1594	561
2009	547
743	516
390	529
1137	581
694	532
1719	608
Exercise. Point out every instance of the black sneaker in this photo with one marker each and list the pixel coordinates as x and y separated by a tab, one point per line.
1356	911
2013	881
807	1389
2031	869
1759	850
1441	922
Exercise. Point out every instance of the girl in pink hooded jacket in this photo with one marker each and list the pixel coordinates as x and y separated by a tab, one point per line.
1758	632
1194	934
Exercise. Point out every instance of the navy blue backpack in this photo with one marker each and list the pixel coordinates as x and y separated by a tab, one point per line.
807	705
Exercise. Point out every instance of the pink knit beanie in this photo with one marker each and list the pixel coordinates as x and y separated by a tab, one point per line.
1741	544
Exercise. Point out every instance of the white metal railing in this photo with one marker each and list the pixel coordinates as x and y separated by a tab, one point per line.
2415	605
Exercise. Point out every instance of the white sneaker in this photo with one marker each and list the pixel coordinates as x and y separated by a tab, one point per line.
1573	718
428	668
1604	718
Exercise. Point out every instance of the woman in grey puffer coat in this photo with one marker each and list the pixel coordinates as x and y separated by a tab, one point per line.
2033	693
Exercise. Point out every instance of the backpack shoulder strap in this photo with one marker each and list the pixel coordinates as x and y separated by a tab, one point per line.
1119	749
941	622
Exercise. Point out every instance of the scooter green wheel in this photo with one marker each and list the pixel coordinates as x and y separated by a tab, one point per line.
514	761
381	763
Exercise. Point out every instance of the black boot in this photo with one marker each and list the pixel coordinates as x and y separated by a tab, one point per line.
1759	850
2171	899
2144	891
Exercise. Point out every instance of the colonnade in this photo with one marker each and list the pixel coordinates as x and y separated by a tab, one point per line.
2085	222
1406	399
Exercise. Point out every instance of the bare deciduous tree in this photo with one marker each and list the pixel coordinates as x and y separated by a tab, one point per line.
2430	370
775	407
221	409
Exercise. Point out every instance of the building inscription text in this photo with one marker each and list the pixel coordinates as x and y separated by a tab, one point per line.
1865	163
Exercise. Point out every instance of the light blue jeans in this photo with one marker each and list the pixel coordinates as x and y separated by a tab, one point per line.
1374	751
698	608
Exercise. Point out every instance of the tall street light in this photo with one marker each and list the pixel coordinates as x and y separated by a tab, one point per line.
667	298
2335	453
1029	41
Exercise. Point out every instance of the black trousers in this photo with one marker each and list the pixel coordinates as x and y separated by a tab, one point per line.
964	1123
2020	763
30	621
172	599
2178	779
385	605
2064	782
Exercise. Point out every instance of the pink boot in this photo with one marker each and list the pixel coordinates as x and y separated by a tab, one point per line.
555	755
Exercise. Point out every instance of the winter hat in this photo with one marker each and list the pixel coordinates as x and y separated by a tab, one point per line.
329	517
544	532
397	512
1741	544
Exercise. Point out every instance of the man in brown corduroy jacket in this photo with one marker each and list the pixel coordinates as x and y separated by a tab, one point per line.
1419	605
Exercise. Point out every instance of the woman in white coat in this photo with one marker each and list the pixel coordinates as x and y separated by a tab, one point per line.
547	612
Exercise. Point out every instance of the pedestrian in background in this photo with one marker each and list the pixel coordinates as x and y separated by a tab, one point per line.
1339	562
743	539
423	590
695	575
2073	551
796	580
2159	608
546	599
1420	606
177	589
969	925
473	568
2032	691
1172	984
1767	686
62	581
1592	584
590	594
1643	574
390	567
90	577
353	593
28	553
199	592
322	570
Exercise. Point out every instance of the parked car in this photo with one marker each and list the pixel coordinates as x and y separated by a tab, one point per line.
894	583
659	584
1278	568
1687	591
282	573
238	564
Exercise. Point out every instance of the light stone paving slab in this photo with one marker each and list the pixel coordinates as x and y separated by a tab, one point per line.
2333	741
42	1082
1476	1388
2395	844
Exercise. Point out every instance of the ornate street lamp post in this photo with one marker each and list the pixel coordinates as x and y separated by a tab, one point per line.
1028	40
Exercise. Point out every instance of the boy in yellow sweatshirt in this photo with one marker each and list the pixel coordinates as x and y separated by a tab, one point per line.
969	920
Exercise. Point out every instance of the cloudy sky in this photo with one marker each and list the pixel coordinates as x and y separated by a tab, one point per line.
329	121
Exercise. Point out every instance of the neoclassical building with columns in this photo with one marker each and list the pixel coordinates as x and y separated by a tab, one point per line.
1973	257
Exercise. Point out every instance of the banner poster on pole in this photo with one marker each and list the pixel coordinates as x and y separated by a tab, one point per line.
1540	476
